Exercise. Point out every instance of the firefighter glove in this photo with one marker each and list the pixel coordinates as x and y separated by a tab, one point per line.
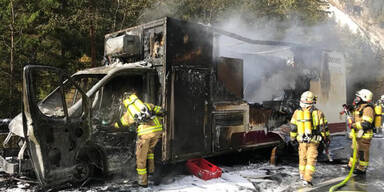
162	113
132	128
327	141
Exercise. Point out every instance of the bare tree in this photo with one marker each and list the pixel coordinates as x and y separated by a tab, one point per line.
92	20
114	19
12	50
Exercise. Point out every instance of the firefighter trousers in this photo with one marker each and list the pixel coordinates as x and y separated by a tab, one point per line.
307	160
362	157
145	146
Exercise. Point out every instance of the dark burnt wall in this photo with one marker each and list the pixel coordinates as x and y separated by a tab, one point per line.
227	79
189	59
188	44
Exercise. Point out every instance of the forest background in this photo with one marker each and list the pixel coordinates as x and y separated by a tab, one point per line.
69	34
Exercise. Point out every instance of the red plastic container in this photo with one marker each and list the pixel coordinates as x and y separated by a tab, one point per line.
203	169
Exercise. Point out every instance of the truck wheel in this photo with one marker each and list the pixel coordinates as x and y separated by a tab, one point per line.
89	163
83	171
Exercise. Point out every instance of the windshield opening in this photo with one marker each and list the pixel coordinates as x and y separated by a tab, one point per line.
46	84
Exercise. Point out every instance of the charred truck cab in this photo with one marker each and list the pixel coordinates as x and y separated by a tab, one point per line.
68	136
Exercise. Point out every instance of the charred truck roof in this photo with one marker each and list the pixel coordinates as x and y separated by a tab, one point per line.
182	54
217	96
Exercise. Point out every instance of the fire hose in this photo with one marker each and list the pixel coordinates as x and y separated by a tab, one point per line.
337	186
342	183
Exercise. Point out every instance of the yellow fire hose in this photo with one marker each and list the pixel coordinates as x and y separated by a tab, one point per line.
337	186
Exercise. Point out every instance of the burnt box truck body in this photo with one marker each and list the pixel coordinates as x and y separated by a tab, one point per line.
68	136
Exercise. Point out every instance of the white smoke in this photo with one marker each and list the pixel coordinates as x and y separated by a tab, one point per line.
268	69
361	62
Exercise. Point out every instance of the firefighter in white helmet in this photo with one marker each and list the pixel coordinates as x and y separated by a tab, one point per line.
308	127
149	131
363	116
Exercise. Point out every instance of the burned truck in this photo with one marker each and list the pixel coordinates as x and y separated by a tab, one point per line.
65	132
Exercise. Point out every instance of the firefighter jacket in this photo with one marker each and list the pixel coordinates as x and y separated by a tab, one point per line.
363	116
309	125
379	114
150	126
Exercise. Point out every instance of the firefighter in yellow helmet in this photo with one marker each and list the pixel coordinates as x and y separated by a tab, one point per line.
363	116
308	127
379	116
149	131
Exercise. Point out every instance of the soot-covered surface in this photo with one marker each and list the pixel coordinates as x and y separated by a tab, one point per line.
249	171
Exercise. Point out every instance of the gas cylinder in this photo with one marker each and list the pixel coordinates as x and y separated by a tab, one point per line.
378	119
307	123
140	106
132	109
300	122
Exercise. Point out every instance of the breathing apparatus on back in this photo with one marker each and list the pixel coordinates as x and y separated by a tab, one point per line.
307	100
136	108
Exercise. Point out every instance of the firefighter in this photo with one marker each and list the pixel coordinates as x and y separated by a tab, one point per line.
308	127
379	115
363	116
149	131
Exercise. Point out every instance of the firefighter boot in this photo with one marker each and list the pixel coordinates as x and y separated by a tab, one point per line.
346	168
142	180
307	183
359	172
379	132
151	166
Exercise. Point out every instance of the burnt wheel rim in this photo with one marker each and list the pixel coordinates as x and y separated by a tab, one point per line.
82	171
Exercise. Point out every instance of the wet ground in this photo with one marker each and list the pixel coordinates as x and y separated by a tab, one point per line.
372	181
250	171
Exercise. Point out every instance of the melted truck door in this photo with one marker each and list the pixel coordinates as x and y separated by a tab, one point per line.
57	125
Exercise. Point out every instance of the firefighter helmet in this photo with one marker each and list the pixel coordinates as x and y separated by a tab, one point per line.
126	95
365	95
307	99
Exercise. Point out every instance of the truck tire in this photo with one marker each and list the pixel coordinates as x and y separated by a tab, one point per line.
89	162
83	172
